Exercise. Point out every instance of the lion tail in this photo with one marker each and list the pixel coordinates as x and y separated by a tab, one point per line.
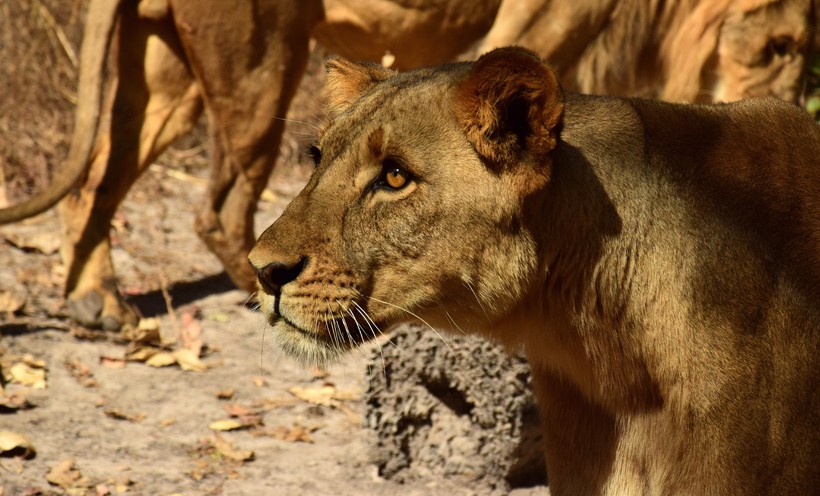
99	29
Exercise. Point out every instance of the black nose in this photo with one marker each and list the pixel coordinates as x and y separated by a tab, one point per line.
276	274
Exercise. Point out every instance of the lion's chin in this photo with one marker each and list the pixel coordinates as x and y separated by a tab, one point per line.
309	347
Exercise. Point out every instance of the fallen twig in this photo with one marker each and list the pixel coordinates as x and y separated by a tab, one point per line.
172	314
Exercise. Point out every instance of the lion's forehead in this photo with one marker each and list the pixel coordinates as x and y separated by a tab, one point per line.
770	18
408	105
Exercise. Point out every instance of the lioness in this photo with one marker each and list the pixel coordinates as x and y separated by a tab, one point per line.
658	264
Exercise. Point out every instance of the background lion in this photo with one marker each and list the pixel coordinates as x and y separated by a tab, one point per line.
242	62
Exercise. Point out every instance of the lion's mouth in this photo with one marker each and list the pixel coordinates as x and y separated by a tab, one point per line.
339	333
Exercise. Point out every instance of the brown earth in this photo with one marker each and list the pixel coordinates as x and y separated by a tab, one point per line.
131	428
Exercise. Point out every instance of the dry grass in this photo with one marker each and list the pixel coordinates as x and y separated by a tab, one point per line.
39	40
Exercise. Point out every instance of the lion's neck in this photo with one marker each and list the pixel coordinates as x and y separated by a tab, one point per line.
592	300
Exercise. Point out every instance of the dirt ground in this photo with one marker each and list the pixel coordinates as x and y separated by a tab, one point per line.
95	417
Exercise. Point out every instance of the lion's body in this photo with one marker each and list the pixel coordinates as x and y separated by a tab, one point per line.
699	315
658	264
242	62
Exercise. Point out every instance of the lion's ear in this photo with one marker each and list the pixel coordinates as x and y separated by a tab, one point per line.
347	80
510	104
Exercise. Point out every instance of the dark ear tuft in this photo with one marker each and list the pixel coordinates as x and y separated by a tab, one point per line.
509	104
347	80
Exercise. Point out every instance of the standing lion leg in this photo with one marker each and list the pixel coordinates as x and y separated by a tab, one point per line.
247	90
154	101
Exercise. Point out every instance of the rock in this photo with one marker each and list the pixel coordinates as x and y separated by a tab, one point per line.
464	409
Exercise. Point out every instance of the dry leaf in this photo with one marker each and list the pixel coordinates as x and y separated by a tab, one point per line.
14	444
225	394
65	474
161	359
187	360
28	375
322	395
228	451
167	422
295	434
112	362
190	334
120	415
101	489
81	373
12	402
11	301
141	354
147	332
226	425
249	418
259	381
34	362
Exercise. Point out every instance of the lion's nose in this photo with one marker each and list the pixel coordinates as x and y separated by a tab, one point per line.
276	274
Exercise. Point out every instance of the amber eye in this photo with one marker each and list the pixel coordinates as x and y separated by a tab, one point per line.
395	177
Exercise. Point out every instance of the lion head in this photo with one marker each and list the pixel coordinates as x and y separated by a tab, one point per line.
727	50
402	219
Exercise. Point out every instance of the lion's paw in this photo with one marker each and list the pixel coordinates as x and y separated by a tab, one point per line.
100	310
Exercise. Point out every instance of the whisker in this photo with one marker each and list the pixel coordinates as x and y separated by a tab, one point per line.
251	297
359	327
334	331
453	321
414	315
370	323
368	320
347	330
363	337
262	351
472	290
304	123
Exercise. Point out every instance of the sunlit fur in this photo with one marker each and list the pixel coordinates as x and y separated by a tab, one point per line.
658	264
682	50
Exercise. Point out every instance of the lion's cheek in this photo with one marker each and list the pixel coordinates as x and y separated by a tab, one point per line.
389	231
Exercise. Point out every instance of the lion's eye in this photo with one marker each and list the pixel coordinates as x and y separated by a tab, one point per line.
783	45
393	176
315	154
396	178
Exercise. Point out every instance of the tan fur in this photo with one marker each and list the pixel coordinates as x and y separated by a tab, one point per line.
659	265
686	50
242	62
